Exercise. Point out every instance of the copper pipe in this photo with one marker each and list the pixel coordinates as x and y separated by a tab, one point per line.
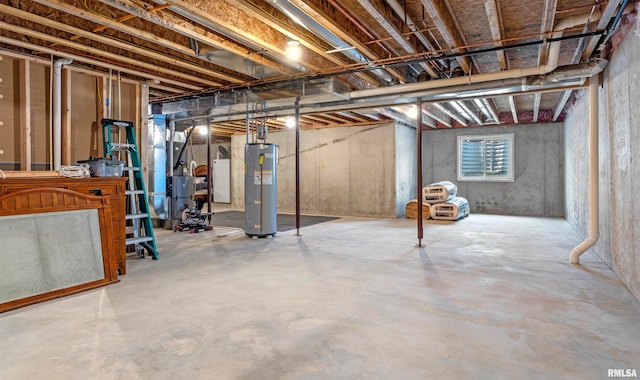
581	7
120	19
404	34
357	23
387	62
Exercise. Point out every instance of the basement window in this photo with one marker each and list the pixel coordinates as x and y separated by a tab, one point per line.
485	158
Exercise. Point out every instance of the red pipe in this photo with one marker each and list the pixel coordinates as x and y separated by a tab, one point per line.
358	24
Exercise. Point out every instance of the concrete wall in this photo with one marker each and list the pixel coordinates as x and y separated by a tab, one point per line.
538	189
198	152
344	171
406	167
619	174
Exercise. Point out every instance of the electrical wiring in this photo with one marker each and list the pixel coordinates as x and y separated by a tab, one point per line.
75	171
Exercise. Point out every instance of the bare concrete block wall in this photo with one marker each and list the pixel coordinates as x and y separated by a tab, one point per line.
619	174
538	189
349	171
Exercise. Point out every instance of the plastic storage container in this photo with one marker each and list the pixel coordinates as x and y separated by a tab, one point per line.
101	167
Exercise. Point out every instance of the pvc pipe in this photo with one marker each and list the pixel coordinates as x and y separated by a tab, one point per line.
119	96
57	111
594	195
192	165
110	94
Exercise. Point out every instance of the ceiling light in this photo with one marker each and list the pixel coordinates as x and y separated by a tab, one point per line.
202	131
290	122
293	50
412	112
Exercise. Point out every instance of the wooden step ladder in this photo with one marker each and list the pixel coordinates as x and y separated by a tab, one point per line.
139	215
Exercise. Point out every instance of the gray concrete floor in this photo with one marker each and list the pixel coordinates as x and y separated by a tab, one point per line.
490	297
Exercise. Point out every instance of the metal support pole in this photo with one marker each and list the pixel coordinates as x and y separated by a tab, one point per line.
209	179
297	105
419	174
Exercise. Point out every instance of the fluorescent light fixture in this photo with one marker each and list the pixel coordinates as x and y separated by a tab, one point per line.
293	50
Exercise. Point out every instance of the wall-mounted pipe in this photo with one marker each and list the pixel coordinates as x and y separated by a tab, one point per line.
57	111
594	210
578	71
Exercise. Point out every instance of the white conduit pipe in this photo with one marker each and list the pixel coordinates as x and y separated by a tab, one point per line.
594	211
57	111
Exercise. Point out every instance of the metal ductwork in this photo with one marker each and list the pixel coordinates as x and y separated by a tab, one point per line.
485	85
314	27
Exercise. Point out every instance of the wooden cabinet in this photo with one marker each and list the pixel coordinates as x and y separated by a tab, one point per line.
112	187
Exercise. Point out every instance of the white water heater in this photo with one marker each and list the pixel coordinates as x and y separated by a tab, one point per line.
260	201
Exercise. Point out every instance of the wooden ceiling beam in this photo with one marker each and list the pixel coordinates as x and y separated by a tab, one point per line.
537	98
332	19
451	113
95	62
194	31
495	24
546	26
434	110
514	109
315	118
354	116
111	56
389	20
115	43
609	11
448	28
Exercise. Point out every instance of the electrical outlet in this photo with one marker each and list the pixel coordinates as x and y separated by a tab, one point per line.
1	151
1	123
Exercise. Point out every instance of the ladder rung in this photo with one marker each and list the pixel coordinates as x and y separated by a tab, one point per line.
138	240
134	192
132	168
136	216
123	145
